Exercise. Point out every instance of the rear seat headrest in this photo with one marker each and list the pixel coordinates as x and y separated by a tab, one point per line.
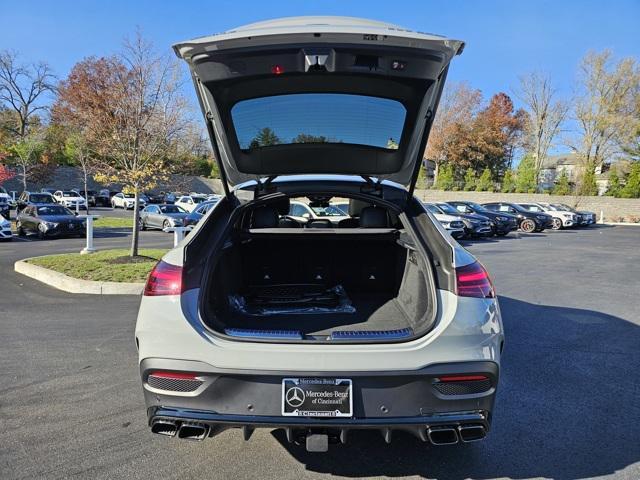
373	217
265	217
356	206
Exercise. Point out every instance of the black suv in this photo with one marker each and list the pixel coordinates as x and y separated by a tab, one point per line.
503	222
27	199
527	221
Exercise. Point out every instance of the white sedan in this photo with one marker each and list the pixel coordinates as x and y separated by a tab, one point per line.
5	229
126	201
190	202
69	199
561	219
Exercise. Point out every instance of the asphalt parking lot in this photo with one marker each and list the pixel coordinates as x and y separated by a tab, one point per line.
568	406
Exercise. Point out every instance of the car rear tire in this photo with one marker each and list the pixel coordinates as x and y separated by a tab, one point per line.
528	225
557	224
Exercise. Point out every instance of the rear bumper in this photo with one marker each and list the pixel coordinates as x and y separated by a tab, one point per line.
386	401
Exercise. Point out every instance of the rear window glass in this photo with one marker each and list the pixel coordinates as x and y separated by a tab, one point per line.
318	118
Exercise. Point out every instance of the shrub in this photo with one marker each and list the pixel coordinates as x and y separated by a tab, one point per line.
469	180
526	181
562	186
445	180
508	185
485	183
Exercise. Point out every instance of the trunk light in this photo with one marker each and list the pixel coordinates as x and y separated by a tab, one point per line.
473	281
164	279
277	69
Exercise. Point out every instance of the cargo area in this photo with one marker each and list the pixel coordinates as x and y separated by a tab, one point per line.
320	284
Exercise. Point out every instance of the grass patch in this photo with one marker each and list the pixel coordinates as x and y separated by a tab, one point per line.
113	222
105	265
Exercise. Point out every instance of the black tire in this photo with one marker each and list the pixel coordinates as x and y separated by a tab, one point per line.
20	230
528	225
113	205
143	226
502	234
557	224
165	224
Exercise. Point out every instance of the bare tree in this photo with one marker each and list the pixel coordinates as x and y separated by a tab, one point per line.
78	148
604	109
22	88
545	115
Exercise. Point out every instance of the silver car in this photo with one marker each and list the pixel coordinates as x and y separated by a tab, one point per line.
162	216
257	321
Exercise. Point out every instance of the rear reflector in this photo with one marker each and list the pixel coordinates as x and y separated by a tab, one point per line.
473	281
164	279
461	378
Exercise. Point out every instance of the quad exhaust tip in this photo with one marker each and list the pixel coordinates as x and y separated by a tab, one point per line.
442	435
472	433
191	431
164	427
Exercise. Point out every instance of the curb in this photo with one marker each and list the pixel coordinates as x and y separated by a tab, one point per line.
75	285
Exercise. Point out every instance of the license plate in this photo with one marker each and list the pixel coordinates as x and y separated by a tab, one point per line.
317	397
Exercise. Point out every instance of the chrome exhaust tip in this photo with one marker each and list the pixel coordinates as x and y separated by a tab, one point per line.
442	435
193	431
164	427
472	433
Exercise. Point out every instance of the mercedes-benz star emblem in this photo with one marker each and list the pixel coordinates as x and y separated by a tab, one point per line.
295	397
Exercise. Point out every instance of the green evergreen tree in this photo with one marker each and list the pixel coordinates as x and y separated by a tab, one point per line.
526	178
632	188
445	180
470	180
508	183
588	186
485	182
614	182
264	138
562	186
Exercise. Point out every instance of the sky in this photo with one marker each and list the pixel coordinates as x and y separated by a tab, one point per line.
504	39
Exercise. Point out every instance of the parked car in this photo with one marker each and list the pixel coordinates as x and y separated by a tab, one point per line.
475	225
155	198
48	190
585	218
303	213
5	198
503	222
528	221
70	199
5	208
30	198
561	219
171	197
49	221
200	211
126	201
452	223
162	216
189	202
104	196
89	196
390	325
5	229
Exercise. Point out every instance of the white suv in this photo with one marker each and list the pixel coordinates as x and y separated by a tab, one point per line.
385	323
126	201
69	199
561	218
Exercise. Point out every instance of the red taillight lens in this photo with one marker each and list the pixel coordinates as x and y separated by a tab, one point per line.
277	69
473	281
174	375
164	279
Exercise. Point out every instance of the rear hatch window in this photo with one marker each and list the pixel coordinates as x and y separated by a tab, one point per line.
318	118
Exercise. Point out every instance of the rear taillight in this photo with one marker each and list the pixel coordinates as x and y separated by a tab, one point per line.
473	281
164	279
